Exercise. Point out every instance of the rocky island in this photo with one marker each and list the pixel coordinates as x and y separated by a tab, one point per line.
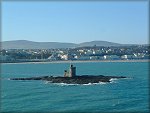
70	77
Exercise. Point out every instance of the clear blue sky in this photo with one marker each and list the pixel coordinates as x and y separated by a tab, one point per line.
76	22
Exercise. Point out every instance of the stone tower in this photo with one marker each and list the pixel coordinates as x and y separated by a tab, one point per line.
71	72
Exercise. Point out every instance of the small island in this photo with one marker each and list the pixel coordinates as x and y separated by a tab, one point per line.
70	77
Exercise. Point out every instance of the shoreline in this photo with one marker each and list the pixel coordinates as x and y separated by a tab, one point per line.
77	61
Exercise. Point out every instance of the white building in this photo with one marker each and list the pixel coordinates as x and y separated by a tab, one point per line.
107	57
51	57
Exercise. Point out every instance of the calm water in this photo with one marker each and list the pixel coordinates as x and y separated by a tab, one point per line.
124	95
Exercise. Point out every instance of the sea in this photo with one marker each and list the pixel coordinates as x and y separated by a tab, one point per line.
120	95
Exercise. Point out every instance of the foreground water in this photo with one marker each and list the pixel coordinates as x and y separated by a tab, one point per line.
124	95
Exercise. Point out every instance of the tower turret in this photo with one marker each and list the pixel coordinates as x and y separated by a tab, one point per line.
72	71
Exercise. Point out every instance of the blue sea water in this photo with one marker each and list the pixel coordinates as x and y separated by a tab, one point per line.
123	95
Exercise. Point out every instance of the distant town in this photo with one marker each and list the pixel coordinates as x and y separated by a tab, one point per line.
135	52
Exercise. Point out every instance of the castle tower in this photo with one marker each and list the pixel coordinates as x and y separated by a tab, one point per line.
72	71
65	73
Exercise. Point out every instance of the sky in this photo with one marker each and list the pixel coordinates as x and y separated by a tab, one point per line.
76	22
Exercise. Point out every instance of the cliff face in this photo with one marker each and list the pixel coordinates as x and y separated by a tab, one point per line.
84	79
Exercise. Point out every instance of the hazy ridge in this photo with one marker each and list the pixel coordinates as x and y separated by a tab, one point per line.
25	44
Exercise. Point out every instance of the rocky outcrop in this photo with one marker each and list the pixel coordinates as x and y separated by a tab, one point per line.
84	79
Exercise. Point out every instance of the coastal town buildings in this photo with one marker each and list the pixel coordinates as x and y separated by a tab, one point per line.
81	53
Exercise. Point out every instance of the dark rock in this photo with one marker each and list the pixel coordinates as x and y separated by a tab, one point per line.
84	79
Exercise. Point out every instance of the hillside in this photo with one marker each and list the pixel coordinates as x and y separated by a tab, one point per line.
24	44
